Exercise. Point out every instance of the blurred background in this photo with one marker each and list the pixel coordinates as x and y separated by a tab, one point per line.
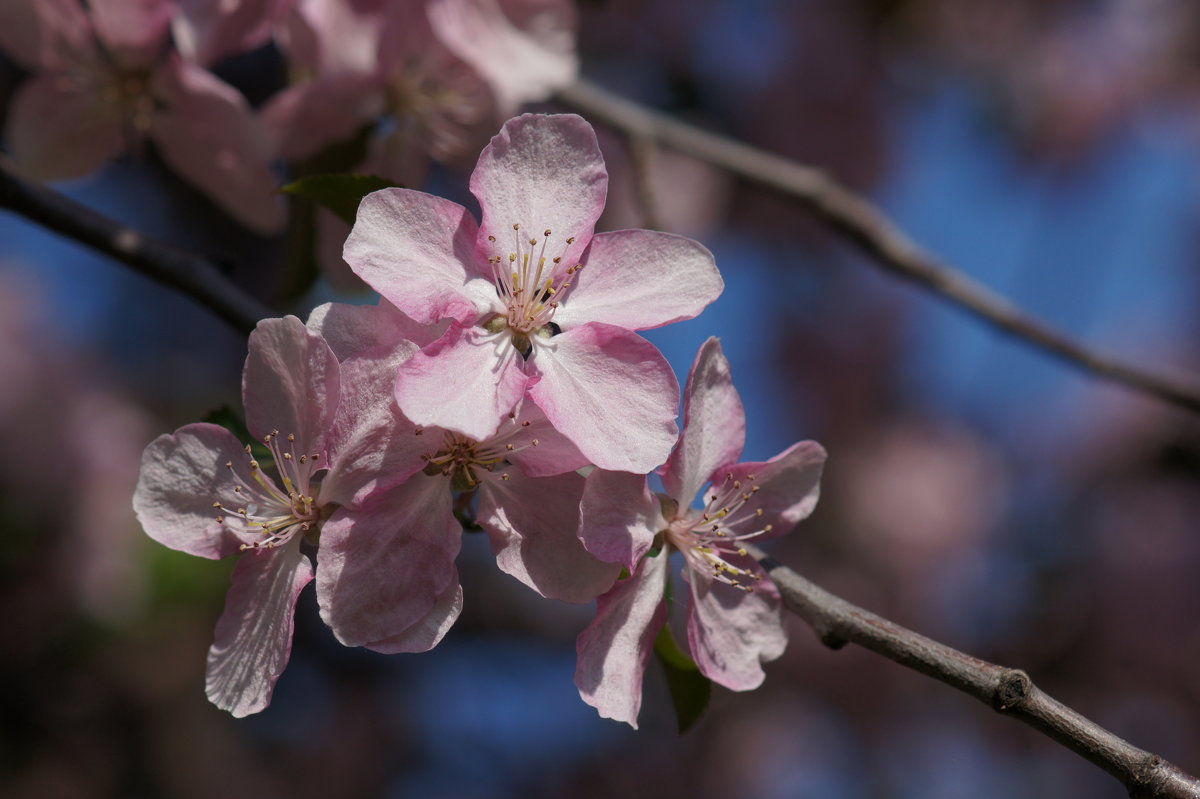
977	491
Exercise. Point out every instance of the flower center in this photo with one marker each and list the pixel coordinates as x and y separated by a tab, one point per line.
530	280
261	505
710	538
468	462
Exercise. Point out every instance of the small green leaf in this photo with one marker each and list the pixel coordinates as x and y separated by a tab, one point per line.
339	193
690	690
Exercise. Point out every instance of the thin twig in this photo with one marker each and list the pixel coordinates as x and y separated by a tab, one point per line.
196	277
1008	691
864	225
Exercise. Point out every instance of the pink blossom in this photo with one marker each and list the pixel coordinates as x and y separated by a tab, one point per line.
329	431
522	478
105	80
734	621
539	305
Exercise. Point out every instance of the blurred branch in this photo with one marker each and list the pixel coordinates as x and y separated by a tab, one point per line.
1008	691
863	224
197	277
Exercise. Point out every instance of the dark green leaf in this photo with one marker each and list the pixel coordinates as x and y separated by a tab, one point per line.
690	690
339	193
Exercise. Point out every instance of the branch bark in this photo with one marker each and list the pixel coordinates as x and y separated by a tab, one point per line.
1008	691
196	277
865	226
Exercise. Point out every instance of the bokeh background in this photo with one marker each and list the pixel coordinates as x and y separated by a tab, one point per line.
977	490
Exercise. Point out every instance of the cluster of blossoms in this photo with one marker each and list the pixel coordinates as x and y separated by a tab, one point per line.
426	78
500	378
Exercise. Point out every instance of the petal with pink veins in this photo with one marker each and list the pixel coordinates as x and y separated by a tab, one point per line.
182	475
531	522
254	634
731	632
465	381
59	129
542	173
552	454
429	631
714	426
611	392
382	569
788	484
291	383
620	517
207	132
613	650
639	279
416	250
369	331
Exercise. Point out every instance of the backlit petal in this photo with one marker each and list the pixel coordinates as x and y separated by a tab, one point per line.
291	383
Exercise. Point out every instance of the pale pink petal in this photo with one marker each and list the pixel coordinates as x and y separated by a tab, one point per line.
134	32
254	635
291	383
611	392
429	631
620	517
182	476
382	569
328	37
531	522
465	381
308	117
416	250
613	650
206	31
552	454
714	426
542	173
788	484
732	632
523	64
58	129
47	34
372	447
209	135
368	331
639	279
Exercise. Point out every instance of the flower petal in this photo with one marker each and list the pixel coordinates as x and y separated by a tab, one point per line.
60	129
182	475
611	392
638	279
291	383
207	132
465	381
523	64
429	631
382	569
134	32
714	426
531	522
254	635
788	484
308	117
48	34
416	250
206	31
553	453
613	650
732	632
368	331
542	173
619	516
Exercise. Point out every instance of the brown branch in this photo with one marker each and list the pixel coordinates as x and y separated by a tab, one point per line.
864	225
1008	691
196	277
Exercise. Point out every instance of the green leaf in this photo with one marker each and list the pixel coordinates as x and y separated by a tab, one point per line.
690	690
232	421
339	193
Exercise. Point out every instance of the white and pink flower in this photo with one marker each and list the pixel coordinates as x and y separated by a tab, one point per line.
734	622
540	306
